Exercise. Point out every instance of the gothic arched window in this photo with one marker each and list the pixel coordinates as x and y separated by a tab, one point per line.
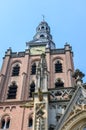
58	67
15	71
59	83
33	69
30	122
12	91
5	122
32	88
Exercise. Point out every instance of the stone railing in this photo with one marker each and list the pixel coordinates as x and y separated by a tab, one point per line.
61	93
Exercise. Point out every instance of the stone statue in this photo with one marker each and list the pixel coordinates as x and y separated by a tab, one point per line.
42	74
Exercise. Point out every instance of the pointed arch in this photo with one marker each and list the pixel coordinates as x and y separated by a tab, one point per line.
34	64
5	122
16	70
12	91
57	57
16	62
58	64
76	121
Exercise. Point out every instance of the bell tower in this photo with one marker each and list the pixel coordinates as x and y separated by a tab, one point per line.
41	40
36	85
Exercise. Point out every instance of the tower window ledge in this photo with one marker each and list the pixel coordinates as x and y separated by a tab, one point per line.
4	129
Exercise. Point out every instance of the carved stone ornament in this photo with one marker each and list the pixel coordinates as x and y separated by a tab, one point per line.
39	117
40	94
28	105
78	74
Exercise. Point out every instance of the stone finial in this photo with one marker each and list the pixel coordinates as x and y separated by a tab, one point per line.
47	46
9	51
78	75
40	94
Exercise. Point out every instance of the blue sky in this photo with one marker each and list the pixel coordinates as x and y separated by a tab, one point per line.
67	19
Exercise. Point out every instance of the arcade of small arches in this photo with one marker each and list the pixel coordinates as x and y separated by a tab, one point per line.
58	68
12	89
5	122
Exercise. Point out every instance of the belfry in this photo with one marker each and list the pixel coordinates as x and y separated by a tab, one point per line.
39	87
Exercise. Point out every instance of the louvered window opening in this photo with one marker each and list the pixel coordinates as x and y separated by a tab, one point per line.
12	92
15	71
58	67
33	69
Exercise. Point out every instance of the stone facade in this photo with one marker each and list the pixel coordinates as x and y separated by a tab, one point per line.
37	89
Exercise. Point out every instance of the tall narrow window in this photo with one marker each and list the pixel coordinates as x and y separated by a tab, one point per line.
12	91
58	67
15	71
33	69
32	88
5	123
8	123
2	123
30	122
59	83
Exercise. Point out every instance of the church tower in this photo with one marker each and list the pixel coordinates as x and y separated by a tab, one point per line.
37	86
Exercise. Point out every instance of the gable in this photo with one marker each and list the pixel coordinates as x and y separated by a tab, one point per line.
75	108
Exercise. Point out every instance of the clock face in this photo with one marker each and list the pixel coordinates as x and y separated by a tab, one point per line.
37	50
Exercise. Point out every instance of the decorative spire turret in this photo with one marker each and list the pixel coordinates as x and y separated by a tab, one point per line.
43	31
42	36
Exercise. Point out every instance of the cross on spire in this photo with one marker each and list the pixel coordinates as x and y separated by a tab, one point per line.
43	17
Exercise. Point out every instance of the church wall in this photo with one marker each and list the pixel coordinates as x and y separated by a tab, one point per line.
18	116
15	108
25	78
